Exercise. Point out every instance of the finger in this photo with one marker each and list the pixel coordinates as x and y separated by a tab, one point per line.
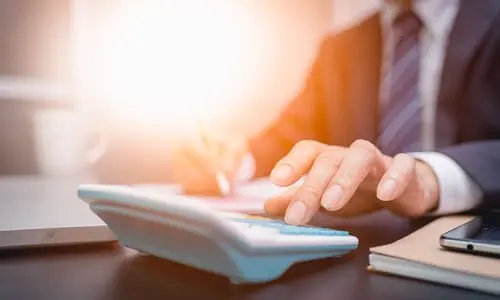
359	161
186	164
296	163
201	148
306	202
231	154
192	177
195	159
196	183
397	177
277	205
201	190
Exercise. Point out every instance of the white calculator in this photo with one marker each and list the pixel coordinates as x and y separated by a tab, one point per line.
244	248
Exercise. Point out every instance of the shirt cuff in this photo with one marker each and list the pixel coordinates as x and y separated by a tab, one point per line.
247	168
458	192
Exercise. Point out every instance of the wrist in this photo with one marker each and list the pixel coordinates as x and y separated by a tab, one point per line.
430	185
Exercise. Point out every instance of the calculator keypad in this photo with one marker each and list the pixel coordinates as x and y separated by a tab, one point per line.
280	227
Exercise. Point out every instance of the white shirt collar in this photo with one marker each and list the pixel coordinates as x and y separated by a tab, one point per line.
433	14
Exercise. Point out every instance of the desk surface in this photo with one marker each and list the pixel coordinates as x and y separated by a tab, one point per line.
112	272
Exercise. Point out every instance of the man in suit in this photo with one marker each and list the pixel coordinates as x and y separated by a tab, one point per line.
401	111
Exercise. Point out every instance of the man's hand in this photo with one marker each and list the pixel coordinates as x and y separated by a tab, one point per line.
351	181
196	160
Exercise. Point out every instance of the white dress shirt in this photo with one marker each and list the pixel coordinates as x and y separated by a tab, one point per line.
458	192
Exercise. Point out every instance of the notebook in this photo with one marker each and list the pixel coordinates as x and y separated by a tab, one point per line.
420	256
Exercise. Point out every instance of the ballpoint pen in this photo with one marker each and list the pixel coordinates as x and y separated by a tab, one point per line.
223	183
221	179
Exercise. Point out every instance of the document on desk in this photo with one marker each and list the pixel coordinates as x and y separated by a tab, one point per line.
420	256
247	198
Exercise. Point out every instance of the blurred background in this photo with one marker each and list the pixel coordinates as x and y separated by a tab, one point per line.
103	85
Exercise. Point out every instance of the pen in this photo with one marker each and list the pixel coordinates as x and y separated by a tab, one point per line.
221	179
223	183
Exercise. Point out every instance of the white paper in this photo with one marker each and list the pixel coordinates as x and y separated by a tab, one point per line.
248	198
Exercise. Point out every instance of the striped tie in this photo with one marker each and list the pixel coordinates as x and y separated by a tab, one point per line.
400	122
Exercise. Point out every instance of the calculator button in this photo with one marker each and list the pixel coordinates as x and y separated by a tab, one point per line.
287	229
308	231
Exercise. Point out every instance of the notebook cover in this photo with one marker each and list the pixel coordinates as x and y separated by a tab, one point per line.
423	246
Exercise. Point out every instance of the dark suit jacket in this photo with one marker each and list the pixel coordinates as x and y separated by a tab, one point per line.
339	102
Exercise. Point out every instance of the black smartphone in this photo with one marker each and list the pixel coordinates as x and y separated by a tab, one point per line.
481	235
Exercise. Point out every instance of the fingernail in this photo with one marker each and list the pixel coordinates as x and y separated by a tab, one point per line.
295	213
332	197
281	173
387	190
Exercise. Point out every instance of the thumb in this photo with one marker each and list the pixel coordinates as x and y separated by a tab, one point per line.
231	155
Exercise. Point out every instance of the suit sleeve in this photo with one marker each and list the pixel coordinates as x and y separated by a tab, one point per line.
481	161
301	119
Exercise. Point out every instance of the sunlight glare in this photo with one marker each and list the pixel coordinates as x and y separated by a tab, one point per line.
173	61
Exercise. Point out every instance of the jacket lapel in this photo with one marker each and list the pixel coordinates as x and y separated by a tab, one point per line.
351	82
473	21
364	80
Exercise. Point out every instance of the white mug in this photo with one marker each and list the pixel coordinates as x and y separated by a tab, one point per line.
63	143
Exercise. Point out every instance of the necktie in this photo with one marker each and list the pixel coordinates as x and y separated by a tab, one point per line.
400	119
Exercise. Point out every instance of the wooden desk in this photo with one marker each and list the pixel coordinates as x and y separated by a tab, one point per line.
113	272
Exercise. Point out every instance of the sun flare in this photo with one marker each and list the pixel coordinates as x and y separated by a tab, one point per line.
173	61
